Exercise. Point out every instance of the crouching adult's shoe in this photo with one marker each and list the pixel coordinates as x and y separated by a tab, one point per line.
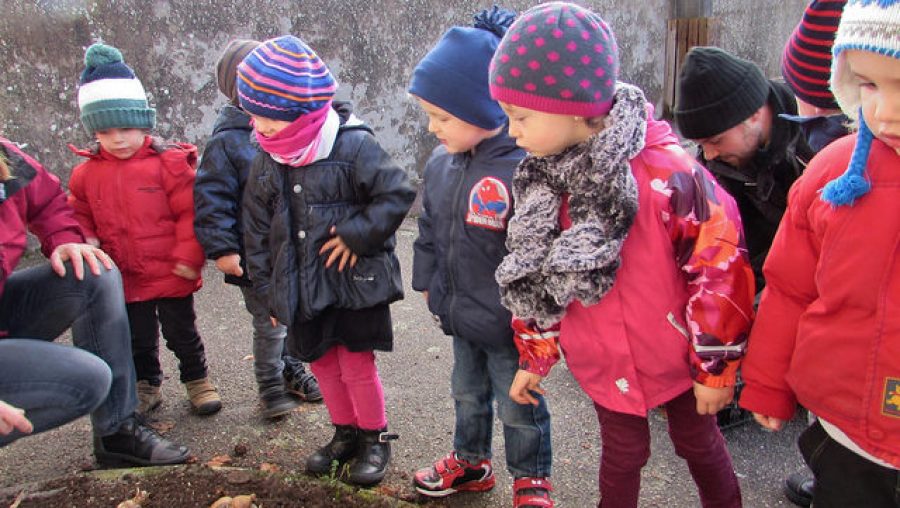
372	457
136	443
336	453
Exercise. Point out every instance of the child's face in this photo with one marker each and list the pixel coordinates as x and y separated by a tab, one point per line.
878	77
121	143
542	134
268	127
455	134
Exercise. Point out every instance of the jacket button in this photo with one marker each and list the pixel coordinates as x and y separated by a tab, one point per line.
298	188
301	235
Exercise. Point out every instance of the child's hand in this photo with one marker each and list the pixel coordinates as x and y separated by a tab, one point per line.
711	400
523	384
230	264
338	249
185	272
274	321
769	422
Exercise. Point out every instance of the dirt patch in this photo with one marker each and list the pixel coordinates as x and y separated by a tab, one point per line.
192	487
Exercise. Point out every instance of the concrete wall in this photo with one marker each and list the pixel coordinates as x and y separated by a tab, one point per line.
370	45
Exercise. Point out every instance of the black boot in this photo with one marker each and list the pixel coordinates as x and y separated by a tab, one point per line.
372	457
342	448
276	402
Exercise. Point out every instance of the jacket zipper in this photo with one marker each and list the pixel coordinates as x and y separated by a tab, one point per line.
451	256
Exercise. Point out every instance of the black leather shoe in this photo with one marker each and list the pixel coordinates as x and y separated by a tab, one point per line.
135	443
340	449
372	457
798	487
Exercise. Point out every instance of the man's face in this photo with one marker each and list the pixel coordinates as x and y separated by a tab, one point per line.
735	146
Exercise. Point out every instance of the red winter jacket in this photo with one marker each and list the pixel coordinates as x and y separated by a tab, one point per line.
142	211
33	200
828	330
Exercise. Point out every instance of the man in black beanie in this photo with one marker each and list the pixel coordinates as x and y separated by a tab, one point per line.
728	107
731	111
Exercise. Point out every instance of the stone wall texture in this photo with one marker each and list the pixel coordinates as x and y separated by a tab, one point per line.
370	45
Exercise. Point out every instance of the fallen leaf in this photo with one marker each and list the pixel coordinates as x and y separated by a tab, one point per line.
248	358
163	426
267	467
140	496
222	502
219	461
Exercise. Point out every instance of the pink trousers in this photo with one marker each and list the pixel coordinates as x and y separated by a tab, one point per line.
351	388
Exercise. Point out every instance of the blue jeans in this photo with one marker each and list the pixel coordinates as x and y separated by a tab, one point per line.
480	376
268	343
38	304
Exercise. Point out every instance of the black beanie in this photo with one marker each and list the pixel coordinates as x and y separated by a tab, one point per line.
716	91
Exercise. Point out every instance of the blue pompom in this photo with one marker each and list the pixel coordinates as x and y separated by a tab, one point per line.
845	189
496	20
101	54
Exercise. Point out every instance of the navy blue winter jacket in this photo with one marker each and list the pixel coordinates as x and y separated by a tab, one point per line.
288	215
467	203
219	188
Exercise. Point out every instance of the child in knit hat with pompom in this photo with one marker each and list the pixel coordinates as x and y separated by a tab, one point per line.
833	288
466	206
134	198
321	206
281	380
623	249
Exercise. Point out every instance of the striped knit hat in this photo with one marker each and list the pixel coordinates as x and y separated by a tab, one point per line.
558	58
284	79
109	94
806	62
866	25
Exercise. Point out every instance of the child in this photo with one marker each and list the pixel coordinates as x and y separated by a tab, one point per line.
217	205
624	248
462	231
320	210
833	284
134	198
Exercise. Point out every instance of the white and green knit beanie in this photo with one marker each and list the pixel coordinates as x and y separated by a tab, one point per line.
109	94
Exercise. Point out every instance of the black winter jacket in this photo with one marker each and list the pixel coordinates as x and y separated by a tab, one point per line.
467	203
288	215
219	188
761	188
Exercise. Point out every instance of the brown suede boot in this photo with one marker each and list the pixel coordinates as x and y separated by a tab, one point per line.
149	397
204	398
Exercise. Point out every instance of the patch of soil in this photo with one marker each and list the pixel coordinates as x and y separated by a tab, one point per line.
193	486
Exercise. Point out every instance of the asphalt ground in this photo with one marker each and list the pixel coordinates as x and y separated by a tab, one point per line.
416	382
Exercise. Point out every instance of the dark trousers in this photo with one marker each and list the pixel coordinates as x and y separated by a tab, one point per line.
843	478
177	318
626	449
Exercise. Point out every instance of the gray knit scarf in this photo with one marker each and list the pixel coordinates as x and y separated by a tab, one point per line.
546	268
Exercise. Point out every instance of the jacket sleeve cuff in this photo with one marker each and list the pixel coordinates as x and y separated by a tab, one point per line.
768	401
538	348
728	377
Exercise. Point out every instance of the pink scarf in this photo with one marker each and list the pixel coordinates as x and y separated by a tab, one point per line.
302	142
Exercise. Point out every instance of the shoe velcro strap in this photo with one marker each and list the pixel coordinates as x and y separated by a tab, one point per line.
384	437
532	483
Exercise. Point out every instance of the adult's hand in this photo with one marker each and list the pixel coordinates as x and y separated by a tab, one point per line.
13	418
79	254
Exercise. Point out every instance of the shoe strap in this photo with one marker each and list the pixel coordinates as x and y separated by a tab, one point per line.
532	492
384	437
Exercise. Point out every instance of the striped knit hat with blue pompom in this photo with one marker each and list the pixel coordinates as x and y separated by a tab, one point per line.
284	79
109	94
866	25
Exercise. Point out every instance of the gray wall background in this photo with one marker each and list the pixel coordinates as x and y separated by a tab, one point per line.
370	45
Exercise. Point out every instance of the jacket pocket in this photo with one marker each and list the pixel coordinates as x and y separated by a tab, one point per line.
373	281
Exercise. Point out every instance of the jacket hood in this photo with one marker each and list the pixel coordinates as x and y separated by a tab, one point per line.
230	118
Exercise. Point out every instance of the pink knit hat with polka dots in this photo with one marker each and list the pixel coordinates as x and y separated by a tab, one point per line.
557	58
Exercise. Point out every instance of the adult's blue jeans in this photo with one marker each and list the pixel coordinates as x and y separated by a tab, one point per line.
481	375
39	305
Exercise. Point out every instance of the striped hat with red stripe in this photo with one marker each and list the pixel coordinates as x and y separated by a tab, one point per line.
806	63
284	79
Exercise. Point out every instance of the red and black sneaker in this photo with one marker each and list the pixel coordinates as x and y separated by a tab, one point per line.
453	474
532	493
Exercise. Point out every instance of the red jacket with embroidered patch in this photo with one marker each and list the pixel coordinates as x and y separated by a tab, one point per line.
141	210
828	329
